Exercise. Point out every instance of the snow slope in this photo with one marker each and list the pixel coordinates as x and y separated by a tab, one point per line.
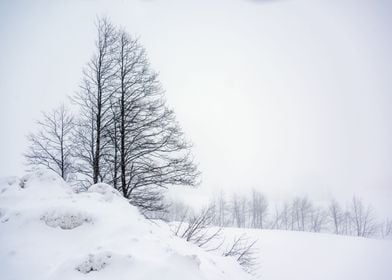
309	256
47	231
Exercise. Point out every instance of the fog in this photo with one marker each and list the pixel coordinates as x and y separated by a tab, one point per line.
291	97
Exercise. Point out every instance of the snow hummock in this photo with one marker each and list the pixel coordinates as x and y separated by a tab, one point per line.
47	231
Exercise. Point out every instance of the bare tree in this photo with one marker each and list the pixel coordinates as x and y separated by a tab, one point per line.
52	145
152	150
386	229
221	209
300	213
318	218
362	217
94	97
295	214
126	135
285	216
347	222
305	208
258	211
336	216
239	210
281	217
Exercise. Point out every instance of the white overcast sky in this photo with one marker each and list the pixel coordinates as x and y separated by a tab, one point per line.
289	96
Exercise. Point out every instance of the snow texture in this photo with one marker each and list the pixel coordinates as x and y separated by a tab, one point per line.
298	255
65	218
47	231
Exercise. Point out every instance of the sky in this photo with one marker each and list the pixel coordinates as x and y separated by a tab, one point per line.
291	97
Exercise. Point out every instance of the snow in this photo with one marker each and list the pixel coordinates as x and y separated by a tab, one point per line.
308	256
47	231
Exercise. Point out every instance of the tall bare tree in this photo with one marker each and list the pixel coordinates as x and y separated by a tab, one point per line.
52	145
94	100
153	152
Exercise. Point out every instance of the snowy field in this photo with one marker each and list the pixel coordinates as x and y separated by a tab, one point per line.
310	256
47	231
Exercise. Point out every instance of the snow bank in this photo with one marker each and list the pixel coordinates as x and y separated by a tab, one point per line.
47	231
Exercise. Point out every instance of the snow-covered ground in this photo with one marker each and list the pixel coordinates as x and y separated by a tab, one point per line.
309	256
47	231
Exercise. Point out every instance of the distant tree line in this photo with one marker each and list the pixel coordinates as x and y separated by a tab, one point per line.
122	132
298	214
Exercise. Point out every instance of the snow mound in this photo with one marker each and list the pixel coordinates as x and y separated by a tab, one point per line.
49	232
42	177
107	191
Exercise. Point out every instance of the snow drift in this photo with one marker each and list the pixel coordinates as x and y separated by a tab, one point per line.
47	231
